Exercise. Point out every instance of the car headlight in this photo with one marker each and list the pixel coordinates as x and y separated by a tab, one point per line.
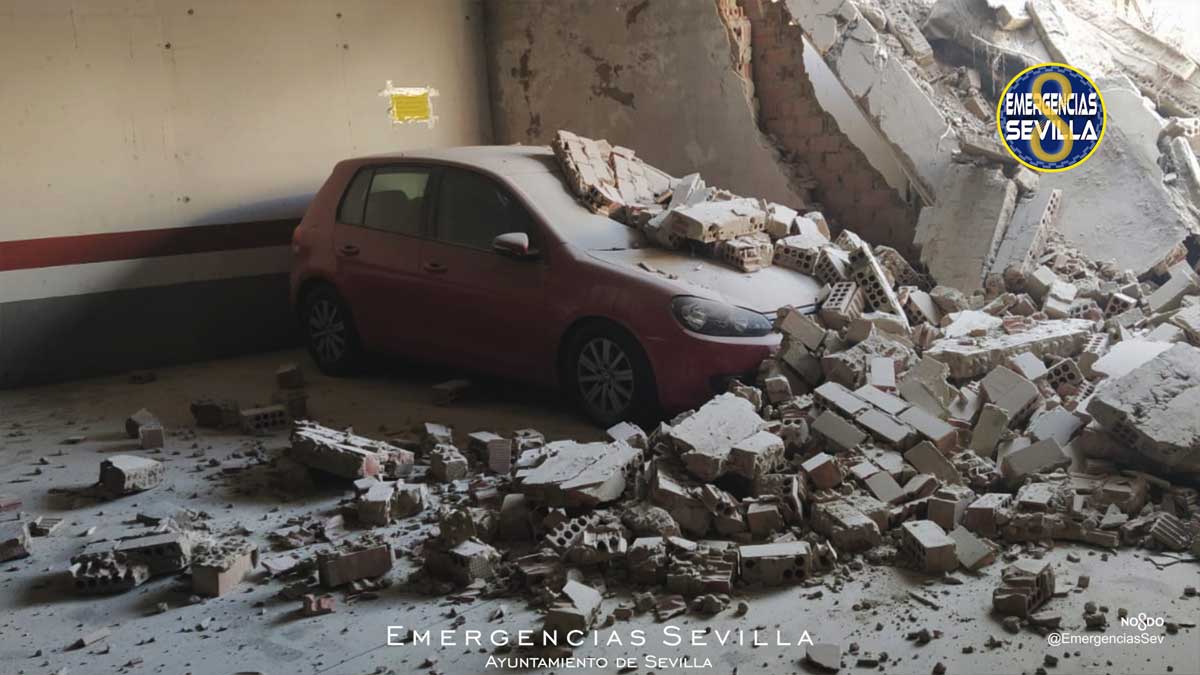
708	317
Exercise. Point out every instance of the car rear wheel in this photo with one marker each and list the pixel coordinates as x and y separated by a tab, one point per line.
609	376
329	330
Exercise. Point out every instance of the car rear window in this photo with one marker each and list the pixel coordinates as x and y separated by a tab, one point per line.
396	200
351	209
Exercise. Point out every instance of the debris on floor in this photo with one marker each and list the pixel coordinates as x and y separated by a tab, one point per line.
962	411
14	540
217	567
127	474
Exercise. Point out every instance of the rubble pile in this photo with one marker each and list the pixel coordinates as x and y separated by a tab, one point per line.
900	423
288	402
904	422
929	75
684	213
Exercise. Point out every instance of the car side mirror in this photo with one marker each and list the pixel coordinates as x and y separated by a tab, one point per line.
515	244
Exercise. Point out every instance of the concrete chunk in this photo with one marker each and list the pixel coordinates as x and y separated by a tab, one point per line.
885	488
339	453
447	464
580	474
1010	392
1025	585
887	429
958	235
367	559
888	403
217	567
823	471
126	474
265	420
802	328
375	505
1060	424
973	552
1040	457
983	515
924	544
844	304
577	611
972	358
216	413
704	439
882	375
1152	409
1126	356
137	419
835	397
845	526
1182	281
14	540
151	436
839	433
928	459
776	564
464	562
1025	239
757	455
942	435
1027	365
947	505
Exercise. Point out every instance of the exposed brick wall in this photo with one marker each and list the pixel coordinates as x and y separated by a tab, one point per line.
851	192
739	31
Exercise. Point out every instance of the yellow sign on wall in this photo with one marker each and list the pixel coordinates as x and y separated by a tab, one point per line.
410	105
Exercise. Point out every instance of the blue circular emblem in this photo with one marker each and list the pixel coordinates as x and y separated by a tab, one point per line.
1051	117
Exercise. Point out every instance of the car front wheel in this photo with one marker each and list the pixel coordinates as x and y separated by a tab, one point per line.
329	330
609	377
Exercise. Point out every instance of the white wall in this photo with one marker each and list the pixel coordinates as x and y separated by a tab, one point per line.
133	114
127	121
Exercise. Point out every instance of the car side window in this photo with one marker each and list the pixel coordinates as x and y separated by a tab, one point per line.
351	209
474	209
396	200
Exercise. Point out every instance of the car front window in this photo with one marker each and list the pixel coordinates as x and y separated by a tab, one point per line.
473	210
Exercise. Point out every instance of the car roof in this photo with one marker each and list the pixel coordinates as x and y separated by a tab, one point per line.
502	160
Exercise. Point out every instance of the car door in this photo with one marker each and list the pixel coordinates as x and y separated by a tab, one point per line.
377	240
490	312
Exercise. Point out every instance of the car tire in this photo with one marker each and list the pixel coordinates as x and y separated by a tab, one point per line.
329	332
609	377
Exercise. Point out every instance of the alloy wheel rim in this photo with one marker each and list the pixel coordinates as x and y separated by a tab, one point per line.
605	376
327	331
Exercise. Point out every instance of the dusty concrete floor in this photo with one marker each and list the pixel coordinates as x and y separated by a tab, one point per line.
252	630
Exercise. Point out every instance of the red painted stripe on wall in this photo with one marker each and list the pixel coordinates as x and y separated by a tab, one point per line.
91	248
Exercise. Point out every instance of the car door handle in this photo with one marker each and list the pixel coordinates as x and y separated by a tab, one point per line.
435	267
348	249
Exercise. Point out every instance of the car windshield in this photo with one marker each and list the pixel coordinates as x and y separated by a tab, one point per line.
550	196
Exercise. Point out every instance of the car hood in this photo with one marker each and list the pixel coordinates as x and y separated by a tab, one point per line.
763	291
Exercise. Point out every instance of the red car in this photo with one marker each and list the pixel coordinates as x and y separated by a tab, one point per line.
481	258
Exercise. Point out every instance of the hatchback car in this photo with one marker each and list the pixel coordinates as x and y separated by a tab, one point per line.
481	258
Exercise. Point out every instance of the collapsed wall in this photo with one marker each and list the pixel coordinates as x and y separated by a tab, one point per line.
850	191
928	74
656	76
722	89
678	80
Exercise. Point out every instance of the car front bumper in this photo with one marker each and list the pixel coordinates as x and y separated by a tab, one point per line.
691	368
